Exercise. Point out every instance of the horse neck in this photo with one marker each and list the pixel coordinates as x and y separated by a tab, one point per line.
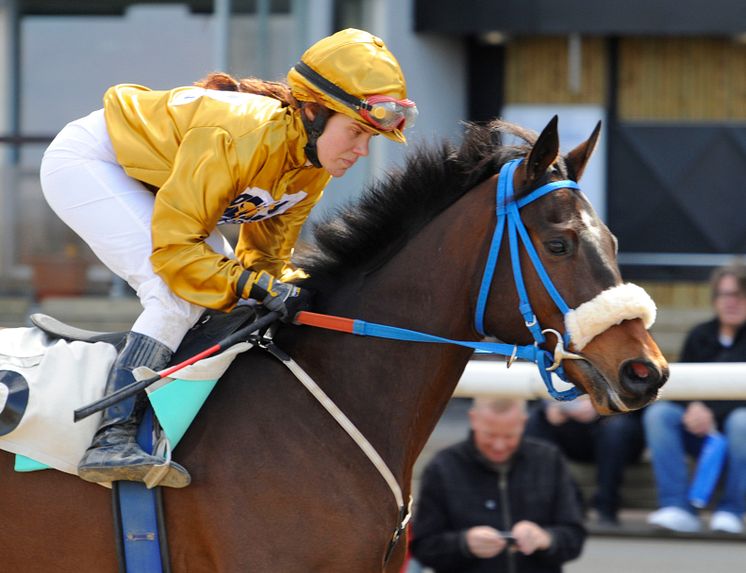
396	391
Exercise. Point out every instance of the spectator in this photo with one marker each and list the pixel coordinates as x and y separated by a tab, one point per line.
675	429
611	442
497	501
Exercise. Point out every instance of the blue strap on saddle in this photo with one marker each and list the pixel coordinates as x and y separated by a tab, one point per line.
138	518
140	510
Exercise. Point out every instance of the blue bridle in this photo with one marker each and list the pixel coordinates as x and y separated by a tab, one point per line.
508	214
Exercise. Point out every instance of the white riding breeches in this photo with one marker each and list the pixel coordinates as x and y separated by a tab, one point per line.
87	188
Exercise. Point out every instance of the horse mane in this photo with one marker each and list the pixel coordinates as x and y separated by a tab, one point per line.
363	234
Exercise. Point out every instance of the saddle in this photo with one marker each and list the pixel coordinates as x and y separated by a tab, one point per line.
59	330
52	368
141	540
212	326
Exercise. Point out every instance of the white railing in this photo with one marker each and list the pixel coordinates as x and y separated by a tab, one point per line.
711	381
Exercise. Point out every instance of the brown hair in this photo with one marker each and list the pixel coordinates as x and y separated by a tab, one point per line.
227	83
735	270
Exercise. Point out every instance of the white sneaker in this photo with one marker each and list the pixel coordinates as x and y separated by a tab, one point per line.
726	521
675	519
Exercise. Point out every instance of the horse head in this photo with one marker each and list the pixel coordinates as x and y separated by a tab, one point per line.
615	360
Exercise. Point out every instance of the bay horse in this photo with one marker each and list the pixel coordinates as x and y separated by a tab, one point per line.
277	486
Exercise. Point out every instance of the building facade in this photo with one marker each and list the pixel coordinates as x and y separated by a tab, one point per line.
667	78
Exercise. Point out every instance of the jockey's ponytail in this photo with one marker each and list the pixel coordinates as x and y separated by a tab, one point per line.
225	82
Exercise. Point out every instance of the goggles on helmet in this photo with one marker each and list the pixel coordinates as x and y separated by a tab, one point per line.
387	113
382	112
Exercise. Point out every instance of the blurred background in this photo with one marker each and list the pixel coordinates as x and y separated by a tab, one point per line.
666	77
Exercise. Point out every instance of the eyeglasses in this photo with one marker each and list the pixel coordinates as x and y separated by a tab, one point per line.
387	113
731	294
382	112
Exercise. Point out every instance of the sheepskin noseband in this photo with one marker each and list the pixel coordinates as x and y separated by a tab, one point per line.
612	306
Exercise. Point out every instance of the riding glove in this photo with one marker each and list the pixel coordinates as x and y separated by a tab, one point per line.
284	298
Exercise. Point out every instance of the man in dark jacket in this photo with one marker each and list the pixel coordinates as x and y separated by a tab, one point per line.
497	501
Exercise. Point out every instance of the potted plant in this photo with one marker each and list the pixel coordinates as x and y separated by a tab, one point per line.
59	274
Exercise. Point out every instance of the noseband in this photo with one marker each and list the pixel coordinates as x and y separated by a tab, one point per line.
509	215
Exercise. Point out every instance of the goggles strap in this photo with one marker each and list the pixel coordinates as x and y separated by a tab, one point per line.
322	83
314	129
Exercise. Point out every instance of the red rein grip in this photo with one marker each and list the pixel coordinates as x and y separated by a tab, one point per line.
325	321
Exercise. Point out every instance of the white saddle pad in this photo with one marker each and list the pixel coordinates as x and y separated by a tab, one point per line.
62	376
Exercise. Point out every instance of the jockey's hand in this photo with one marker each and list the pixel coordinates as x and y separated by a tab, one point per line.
277	296
288	300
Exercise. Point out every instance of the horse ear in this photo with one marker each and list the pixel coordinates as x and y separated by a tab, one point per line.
544	151
578	157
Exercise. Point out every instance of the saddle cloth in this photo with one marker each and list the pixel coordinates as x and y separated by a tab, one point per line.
43	380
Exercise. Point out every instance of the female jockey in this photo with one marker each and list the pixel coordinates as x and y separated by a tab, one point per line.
146	180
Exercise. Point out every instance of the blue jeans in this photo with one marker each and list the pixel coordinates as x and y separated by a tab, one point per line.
669	445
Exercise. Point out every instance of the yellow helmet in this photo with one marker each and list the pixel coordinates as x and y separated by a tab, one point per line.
352	72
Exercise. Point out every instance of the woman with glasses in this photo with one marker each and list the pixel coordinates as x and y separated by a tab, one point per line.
146	181
677	431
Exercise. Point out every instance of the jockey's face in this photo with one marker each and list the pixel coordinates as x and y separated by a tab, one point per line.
343	141
497	435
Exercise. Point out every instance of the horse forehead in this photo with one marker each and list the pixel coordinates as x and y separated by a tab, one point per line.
593	233
591	225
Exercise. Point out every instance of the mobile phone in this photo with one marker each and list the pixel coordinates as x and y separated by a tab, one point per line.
508	537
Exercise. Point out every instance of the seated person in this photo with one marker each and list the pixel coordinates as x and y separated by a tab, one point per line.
676	429
497	501
611	442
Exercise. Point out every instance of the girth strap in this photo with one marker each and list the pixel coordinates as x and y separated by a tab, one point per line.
139	522
405	510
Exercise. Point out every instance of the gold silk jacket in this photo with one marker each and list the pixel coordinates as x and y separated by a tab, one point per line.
216	157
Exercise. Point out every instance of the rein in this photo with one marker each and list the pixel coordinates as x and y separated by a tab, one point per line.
508	215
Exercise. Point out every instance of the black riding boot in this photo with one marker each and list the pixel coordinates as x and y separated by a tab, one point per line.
114	453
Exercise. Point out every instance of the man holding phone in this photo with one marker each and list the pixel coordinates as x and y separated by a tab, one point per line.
497	501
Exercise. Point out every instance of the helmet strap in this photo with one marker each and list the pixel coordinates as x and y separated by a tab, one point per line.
314	129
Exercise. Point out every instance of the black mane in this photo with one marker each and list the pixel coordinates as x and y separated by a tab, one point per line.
364	234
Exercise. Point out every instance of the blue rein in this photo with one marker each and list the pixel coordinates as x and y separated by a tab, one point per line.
508	214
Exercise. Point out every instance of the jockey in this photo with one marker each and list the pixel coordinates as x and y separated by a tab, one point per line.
146	180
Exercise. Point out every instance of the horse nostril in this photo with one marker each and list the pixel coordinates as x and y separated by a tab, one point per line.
639	370
640	377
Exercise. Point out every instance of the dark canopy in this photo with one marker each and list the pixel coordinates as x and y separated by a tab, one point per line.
118	7
588	17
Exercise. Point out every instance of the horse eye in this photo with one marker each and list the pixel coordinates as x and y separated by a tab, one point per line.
557	246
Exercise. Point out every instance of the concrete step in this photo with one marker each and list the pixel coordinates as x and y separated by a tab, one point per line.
100	313
14	311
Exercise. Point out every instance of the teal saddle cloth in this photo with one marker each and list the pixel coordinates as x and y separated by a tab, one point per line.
177	403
